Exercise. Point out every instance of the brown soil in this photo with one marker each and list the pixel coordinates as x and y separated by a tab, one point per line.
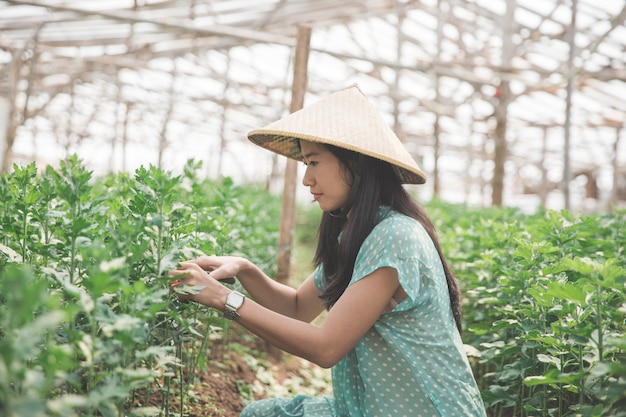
230	380
220	389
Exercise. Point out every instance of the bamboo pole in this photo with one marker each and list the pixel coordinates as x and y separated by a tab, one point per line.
288	213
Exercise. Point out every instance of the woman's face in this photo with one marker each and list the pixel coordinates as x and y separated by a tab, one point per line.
327	179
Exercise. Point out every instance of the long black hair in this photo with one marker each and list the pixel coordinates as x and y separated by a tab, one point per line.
379	186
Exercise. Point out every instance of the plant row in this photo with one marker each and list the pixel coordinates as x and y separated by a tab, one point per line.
88	325
544	307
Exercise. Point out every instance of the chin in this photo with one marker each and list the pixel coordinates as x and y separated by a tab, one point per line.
329	209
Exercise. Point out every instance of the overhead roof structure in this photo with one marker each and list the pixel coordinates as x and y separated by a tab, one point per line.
517	97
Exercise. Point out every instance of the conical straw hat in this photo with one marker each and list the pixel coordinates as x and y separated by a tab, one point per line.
345	119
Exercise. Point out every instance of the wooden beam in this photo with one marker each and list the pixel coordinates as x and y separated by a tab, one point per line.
219	30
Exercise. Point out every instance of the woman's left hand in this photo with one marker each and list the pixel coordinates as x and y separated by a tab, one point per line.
195	284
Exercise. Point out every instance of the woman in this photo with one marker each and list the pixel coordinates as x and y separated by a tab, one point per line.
392	332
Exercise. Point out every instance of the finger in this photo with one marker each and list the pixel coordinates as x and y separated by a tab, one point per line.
188	264
178	272
203	262
174	284
227	280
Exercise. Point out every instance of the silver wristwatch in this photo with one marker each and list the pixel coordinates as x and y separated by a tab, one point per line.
233	302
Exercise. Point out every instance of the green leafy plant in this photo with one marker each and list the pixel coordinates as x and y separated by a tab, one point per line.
101	334
543	294
89	326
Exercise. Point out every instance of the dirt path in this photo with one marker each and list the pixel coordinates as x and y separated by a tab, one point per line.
241	371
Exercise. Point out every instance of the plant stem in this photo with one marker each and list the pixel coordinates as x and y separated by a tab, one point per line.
181	381
205	340
581	382
149	387
544	410
24	233
166	397
561	388
599	323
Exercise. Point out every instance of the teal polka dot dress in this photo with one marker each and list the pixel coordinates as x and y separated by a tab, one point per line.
412	362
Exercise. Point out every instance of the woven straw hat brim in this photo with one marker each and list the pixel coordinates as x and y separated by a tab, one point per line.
345	119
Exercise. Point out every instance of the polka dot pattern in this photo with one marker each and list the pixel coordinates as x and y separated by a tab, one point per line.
412	362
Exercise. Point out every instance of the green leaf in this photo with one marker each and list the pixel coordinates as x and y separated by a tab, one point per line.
552	376
567	291
113	264
549	359
145	412
66	403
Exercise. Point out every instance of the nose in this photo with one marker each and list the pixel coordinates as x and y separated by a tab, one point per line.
307	180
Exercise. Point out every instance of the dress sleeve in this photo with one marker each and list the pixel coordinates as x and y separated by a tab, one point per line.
400	243
318	277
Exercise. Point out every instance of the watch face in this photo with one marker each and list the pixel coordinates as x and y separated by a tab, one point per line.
234	300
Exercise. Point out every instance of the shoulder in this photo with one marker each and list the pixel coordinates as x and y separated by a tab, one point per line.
400	234
391	218
398	225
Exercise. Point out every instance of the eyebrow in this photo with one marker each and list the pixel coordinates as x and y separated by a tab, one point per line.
310	154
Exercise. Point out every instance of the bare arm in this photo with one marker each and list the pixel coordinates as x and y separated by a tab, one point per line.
347	322
302	303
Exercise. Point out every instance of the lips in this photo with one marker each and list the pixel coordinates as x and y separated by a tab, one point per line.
316	196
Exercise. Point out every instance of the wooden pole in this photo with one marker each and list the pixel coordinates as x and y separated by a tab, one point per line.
500	151
288	213
5	111
127	110
614	197
10	128
543	187
436	145
567	171
441	19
